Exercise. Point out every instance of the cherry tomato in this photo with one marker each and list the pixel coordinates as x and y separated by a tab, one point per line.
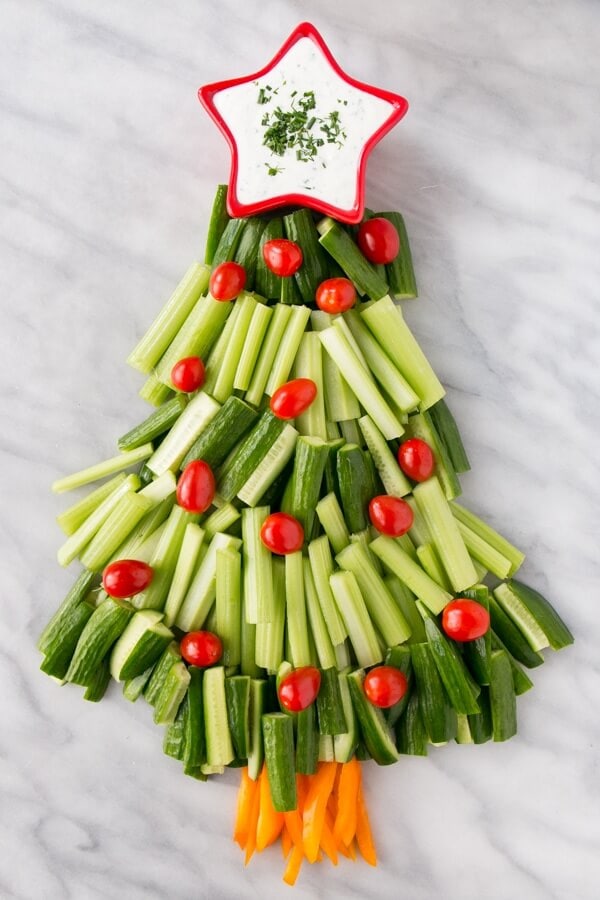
293	398
282	533
201	648
385	686
390	515
227	281
378	241
282	257
196	487
336	295
416	459
465	620
188	374
300	688
126	577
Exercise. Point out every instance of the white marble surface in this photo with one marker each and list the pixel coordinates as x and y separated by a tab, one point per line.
107	170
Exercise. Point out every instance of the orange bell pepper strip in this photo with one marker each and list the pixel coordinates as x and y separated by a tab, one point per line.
294	864
328	843
293	819
286	842
364	837
315	808
252	823
349	783
244	807
270	822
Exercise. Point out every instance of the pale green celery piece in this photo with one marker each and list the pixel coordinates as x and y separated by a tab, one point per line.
340	403
251	347
394	481
419	532
351	605
79	540
170	319
489	535
270	635
431	562
331	517
130	509
321	561
257	567
153	391
223	386
187	561
218	354
228	604
202	591
296	621
361	382
288	347
71	518
484	553
164	560
161	488
221	519
309	364
387	324
151	522
196	336
192	421
102	469
324	647
397	561
351	432
447	539
333	431
268	351
342	655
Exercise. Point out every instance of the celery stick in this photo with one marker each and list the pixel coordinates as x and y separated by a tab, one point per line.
155	392
332	520
309	364
229	604
258	567
269	635
288	347
487	533
221	519
323	645
296	621
74	516
319	553
196	336
251	348
245	305
268	351
185	566
340	402
164	560
102	469
352	606
447	538
410	573
130	509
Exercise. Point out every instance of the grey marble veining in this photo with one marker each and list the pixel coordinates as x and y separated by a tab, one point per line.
107	171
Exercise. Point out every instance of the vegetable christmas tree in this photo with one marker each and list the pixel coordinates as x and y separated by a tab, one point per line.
289	579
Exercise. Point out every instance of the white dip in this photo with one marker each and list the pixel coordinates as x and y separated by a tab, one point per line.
331	174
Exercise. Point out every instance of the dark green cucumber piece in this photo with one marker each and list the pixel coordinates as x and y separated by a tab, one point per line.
171	693
502	698
145	475
544	615
216	224
102	629
338	243
376	734
449	435
159	673
400	273
521	680
140	645
194	751
246	254
135	687
238	468
266	282
98	683
77	594
60	649
406	601
439	719
174	737
278	738
354	482
399	658
237	692
329	704
258	704
459	684
411	734
156	424
222	433
515	642
300	228
480	723
307	741
290	293
304	487
478	653
228	242
362	753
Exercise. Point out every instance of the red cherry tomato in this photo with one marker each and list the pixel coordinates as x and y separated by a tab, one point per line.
196	487
300	688
227	281
188	374
416	459
390	515
385	686
282	257
293	398
126	577
282	533
378	241
465	620
201	648
336	295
